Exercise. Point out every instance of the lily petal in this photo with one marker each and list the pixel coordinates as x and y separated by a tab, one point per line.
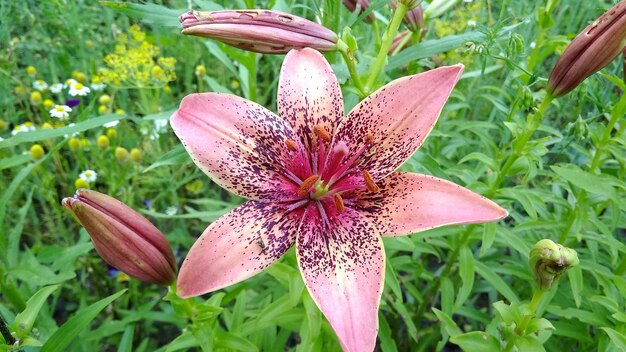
309	94
409	203
398	116
343	266
237	246
237	143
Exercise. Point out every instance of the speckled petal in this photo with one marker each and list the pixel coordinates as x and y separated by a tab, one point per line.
237	246
409	203
309	94
398	116
238	143
343	267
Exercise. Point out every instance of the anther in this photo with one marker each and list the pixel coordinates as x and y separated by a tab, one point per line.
369	138
291	145
322	133
369	182
307	184
339	203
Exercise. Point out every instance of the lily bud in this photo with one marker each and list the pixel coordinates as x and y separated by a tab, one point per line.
124	238
595	47
262	31
414	18
549	260
360	5
399	40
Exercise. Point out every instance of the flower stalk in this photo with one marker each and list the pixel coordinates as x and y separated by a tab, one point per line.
387	41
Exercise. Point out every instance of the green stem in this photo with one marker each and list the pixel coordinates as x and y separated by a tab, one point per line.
531	312
348	57
252	71
376	33
387	40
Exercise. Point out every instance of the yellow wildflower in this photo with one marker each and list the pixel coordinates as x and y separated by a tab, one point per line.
80	183
31	71
37	152
48	104
35	98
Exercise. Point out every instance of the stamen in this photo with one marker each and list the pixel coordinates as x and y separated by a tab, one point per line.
369	138
307	184
339	203
369	182
322	133
291	145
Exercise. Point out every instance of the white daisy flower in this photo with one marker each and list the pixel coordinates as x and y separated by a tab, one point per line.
111	124
78	89
56	88
98	86
171	210
70	82
88	176
60	111
25	127
40	85
471	23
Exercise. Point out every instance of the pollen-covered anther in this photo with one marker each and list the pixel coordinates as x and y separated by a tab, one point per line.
322	133
369	138
291	145
307	184
339	203
369	182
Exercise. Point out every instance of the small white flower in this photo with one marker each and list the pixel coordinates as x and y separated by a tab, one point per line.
160	125
171	210
88	176
471	23
56	88
98	86
111	124
78	89
25	127
60	111
70	82
533	45
40	85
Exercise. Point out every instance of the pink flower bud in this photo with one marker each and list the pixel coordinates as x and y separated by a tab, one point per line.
399	39
595	47
262	31
361	5
414	18
124	238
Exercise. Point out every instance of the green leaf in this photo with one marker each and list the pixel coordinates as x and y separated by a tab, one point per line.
447	295
387	343
38	135
495	281
232	342
13	249
178	155
528	343
466	271
617	338
126	343
489	235
220	55
64	336
447	323
13	161
582	179
24	321
428	48
391	280
575	276
148	13
476	341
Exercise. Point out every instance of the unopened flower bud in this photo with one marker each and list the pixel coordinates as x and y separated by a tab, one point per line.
549	260
200	71
135	155
35	98
124	238
37	152
595	47
103	142
262	31
414	18
400	39
74	143
360	6
121	154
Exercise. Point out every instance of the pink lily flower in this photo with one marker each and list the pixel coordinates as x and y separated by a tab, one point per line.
322	182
